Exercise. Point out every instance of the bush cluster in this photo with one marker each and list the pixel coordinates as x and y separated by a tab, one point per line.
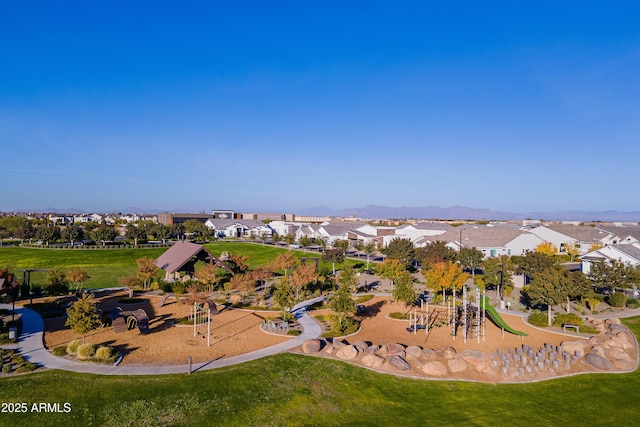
567	319
538	318
633	303
72	347
617	299
104	353
86	351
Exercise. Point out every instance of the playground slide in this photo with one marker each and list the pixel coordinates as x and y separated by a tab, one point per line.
497	319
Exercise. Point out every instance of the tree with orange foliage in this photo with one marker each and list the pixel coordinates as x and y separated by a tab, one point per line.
302	276
284	261
445	275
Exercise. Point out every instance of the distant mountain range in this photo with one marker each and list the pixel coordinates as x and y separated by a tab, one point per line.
426	212
462	212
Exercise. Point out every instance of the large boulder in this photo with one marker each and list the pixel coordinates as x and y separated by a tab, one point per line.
621	359
347	352
428	355
392	349
337	344
373	361
457	364
311	346
434	369
612	321
475	358
413	352
598	361
399	363
361	346
447	352
623	339
574	346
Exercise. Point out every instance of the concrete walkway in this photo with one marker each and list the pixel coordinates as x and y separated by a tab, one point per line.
32	348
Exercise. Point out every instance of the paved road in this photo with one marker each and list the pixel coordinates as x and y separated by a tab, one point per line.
32	348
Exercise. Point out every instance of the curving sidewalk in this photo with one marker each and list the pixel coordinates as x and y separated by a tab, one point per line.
32	348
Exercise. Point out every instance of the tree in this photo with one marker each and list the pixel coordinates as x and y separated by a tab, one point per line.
322	241
147	270
284	261
404	290
26	231
341	303
471	259
533	262
103	233
284	297
547	248
434	253
208	275
160	232
72	233
302	276
610	275
195	228
135	233
369	249
445	275
48	233
77	276
577	287
341	244
335	255
546	288
401	249
497	273
305	241
572	250
243	283
56	282
391	269
131	282
83	315
290	239
238	263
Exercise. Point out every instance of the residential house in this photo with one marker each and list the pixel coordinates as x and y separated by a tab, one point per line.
627	253
583	237
239	227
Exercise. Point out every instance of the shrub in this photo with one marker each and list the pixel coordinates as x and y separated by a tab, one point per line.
6	368
617	299
166	287
27	367
567	319
633	303
60	350
86	351
72	347
178	288
104	353
599	297
538	318
399	316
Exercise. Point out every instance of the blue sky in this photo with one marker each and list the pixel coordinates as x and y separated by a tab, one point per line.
284	106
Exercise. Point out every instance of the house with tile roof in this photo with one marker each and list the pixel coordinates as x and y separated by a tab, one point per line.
583	237
238	227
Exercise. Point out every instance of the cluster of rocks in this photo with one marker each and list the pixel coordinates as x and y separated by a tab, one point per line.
615	348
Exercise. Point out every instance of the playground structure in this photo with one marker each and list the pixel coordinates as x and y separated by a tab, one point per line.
201	316
123	321
469	318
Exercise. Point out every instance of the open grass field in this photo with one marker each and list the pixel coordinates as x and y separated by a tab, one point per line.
291	390
105	266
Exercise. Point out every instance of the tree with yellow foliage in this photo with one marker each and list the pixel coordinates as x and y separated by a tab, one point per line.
445	275
547	248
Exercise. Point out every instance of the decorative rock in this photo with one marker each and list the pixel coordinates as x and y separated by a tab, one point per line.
373	361
573	346
620	359
447	352
599	350
457	364
598	361
337	344
391	349
474	357
612	321
311	346
428	355
399	363
361	346
434	369
347	352
413	352
372	349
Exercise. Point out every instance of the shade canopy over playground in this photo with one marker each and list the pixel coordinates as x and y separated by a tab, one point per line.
182	257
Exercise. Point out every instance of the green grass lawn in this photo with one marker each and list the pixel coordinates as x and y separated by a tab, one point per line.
291	390
105	266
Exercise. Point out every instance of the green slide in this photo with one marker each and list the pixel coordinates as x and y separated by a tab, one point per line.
497	319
